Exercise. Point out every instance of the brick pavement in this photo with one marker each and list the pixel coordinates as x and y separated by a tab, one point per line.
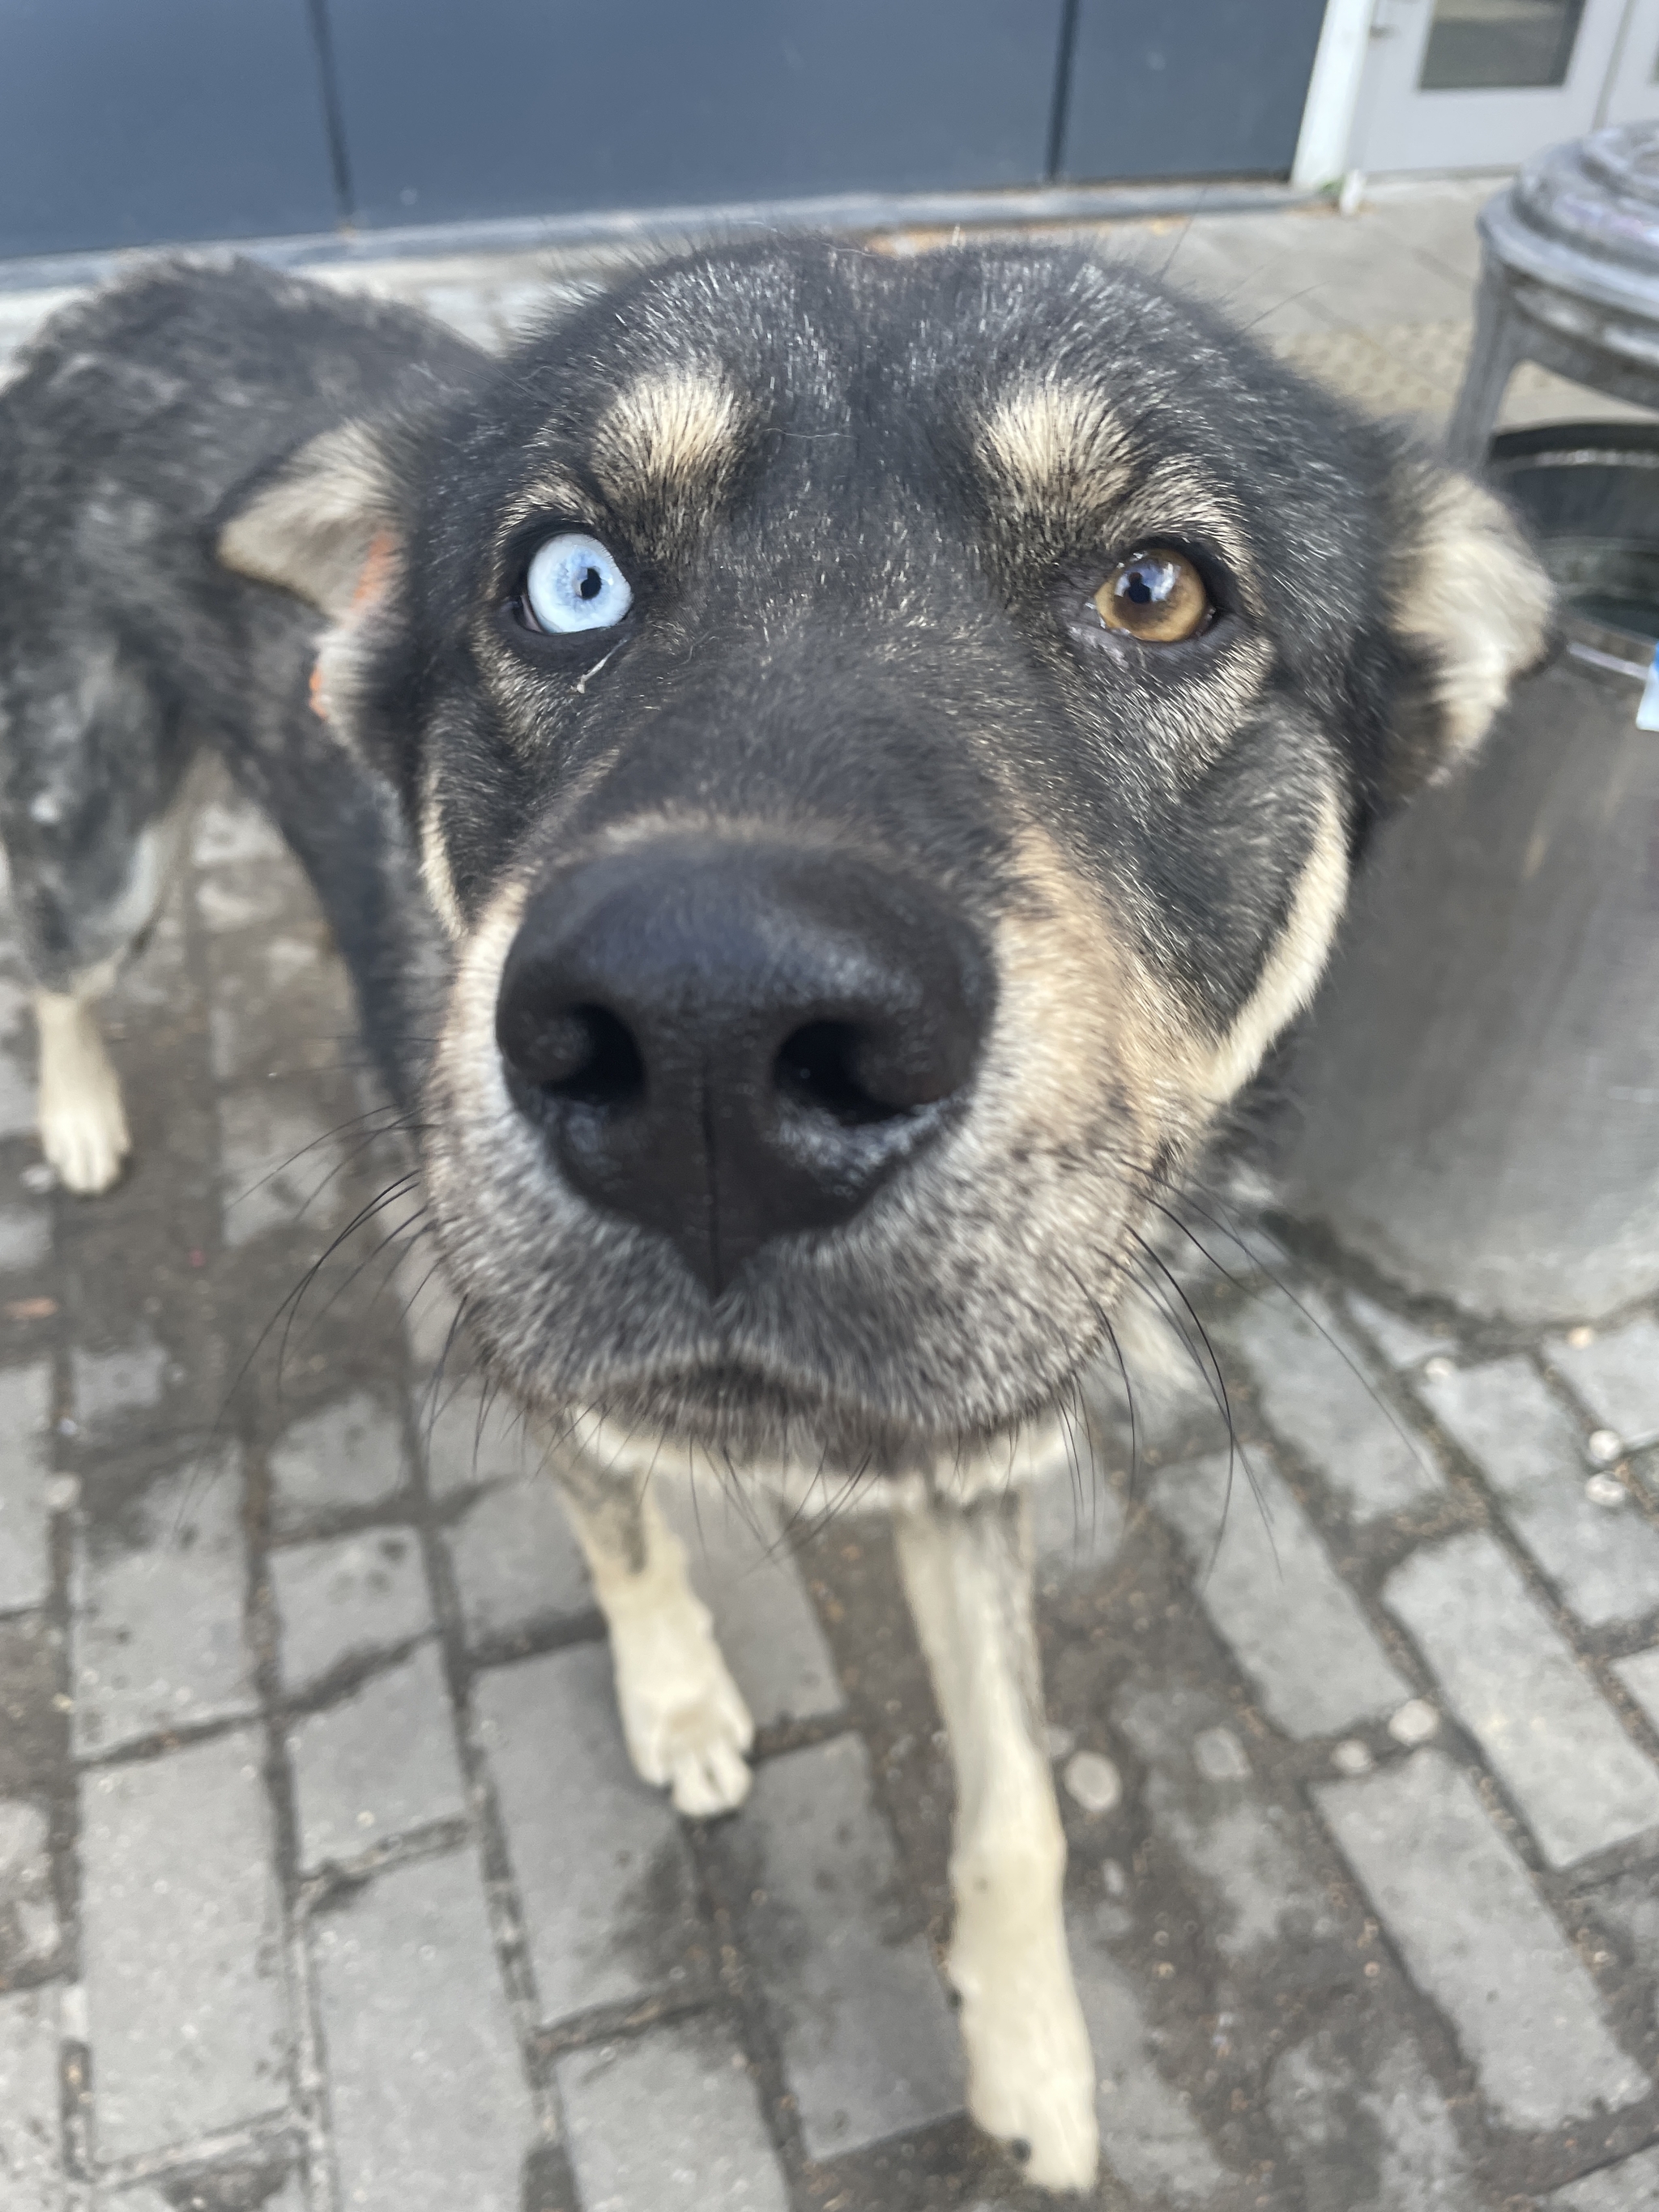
324	1880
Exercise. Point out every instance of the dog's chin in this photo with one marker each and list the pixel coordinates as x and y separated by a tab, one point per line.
746	1421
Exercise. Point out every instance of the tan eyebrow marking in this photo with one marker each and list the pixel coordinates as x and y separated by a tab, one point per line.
666	444
1052	447
1065	466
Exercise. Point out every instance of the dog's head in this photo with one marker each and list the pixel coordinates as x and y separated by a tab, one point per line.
888	740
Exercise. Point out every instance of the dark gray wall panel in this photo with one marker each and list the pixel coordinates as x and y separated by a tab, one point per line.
142	121
1187	88
458	109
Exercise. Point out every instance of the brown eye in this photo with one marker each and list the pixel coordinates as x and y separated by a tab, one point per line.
1157	596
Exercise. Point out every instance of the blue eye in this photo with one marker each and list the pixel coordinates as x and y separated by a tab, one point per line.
573	584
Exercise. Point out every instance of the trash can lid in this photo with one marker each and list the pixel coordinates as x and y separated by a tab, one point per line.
1583	218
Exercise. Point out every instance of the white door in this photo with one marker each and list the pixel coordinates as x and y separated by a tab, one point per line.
1481	84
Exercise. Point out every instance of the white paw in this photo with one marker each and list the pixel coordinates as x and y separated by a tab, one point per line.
684	1719
85	1138
1030	2069
82	1124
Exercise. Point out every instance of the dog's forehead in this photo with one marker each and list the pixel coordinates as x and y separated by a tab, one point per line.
1056	379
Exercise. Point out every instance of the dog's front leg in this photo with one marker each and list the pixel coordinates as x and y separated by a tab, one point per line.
684	1720
1030	2072
81	1121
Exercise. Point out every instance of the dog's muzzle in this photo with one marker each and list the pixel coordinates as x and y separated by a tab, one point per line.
731	1042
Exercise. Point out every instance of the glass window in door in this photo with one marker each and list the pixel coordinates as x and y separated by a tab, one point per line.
1476	45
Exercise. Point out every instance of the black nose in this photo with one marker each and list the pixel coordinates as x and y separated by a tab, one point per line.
732	1043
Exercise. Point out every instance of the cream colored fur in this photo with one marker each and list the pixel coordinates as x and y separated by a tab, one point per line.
310	529
81	1121
1031	2070
1470	591
686	1725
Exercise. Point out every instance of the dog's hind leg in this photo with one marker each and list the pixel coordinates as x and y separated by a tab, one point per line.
967	1574
684	1720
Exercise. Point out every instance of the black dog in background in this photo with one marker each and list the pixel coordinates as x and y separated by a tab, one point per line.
852	762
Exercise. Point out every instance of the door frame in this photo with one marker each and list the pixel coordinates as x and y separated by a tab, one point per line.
1631	91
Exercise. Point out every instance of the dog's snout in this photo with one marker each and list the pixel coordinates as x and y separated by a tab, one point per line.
732	1043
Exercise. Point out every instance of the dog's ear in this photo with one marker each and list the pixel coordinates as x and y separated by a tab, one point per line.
1470	609
323	525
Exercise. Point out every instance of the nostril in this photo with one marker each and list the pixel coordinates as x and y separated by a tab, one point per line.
611	1072
821	1067
585	1054
862	1072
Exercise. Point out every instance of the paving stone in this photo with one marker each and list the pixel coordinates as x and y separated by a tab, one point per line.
107	1386
1163	1402
1219	1756
348	1456
1148	2135
601	1865
1315	1394
431	1313
428	2098
1078	1520
1403	1343
1474	1936
705	2147
252	1033
517	1563
469	1439
159	1638
222	2189
17	1089
1605	1565
1557	1744
233	899
1268	1585
230	833
745	1574
1244	1849
1640	1676
1617	1375
867	2038
25	1238
1629	1906
1633	2185
380	1764
31	2135
25	1410
28	1911
280	1163
347	1597
1367	2126
182	1942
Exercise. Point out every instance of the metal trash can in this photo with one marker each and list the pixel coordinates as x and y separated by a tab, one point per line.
1477	1092
1568	278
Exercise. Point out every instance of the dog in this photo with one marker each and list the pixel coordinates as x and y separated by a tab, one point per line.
828	772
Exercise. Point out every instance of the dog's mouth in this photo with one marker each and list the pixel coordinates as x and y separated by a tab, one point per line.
741	1421
887	1358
